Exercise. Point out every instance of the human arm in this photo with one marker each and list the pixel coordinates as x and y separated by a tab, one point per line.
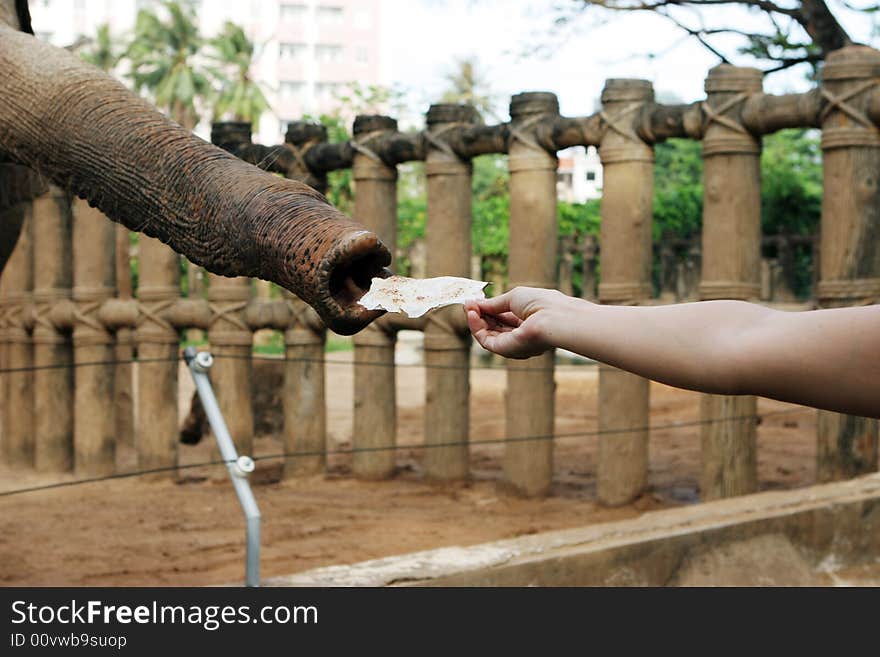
824	358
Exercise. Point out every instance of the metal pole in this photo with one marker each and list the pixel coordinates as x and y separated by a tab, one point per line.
239	466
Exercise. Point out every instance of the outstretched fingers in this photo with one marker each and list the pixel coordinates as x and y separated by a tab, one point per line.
495	305
479	328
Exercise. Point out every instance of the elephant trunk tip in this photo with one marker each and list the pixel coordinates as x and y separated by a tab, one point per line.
352	265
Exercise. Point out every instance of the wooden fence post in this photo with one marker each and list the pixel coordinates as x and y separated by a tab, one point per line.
447	338
157	421
15	294
231	342
528	464
731	268
627	209
305	407
124	394
375	397
94	281
53	386
850	250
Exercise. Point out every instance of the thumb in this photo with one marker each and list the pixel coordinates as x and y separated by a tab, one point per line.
495	305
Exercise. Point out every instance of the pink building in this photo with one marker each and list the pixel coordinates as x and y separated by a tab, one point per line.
323	46
307	50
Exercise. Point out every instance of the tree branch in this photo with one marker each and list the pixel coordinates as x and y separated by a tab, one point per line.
794	61
697	34
623	5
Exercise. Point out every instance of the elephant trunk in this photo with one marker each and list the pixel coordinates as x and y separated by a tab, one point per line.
82	129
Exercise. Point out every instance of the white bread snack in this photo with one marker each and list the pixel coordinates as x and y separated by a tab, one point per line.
416	296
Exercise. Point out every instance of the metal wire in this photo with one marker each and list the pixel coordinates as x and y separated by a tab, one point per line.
415	446
284	359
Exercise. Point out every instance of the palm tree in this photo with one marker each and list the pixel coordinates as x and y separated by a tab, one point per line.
164	61
102	50
240	97
164	56
467	85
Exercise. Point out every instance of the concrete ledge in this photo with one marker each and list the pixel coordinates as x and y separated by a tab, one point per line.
799	537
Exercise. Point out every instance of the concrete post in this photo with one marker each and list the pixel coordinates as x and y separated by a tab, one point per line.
305	408
300	137
16	284
124	394
850	268
528	464
627	207
588	286
53	387
375	399
731	268
157	421
231	343
447	339
94	281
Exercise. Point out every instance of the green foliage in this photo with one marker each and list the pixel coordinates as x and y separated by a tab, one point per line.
163	56
411	221
134	261
678	189
338	343
791	196
791	192
273	346
490	206
240	97
468	86
791	183
102	51
360	98
357	99
578	219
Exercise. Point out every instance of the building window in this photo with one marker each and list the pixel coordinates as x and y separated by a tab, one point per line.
293	11
329	15
291	88
292	50
328	53
563	178
362	55
591	175
326	90
362	19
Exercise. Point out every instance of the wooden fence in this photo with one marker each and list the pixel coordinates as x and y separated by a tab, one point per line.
63	300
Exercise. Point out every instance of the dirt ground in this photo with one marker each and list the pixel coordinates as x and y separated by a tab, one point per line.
190	532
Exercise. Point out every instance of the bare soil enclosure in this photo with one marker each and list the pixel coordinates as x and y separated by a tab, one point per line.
136	531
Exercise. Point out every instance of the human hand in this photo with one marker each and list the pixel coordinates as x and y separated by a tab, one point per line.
520	323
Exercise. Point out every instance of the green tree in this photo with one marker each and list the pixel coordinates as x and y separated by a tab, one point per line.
355	99
490	229
791	183
678	189
102	51
468	86
240	97
164	56
773	35
791	192
791	199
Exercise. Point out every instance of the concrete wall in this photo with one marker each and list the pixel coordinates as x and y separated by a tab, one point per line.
827	534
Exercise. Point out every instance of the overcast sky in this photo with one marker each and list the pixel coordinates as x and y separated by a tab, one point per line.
424	37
